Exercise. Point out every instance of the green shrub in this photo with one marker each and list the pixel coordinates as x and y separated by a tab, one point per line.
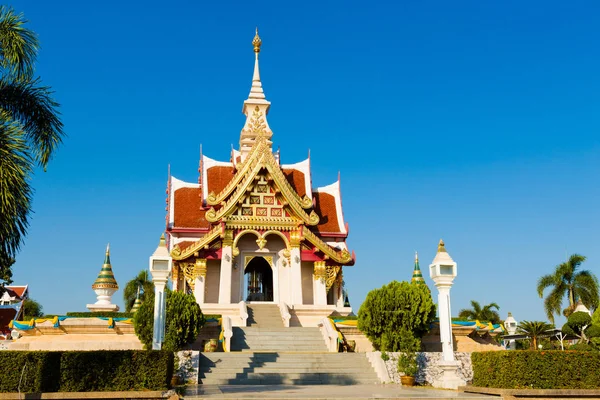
103	314
183	321
393	308
536	369
84	371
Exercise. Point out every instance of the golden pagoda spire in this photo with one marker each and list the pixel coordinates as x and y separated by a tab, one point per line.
441	248
106	278
417	276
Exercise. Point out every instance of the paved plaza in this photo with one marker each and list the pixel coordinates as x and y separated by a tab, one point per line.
390	391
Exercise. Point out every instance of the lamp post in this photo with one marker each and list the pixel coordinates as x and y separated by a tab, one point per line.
443	271
160	268
510	324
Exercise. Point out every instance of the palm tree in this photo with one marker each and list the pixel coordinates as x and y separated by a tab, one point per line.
30	129
142	283
534	330
486	313
567	281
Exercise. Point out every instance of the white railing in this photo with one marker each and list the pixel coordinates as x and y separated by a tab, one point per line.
243	312
227	333
285	314
329	334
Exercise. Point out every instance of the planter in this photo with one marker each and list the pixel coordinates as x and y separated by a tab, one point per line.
210	346
174	380
407	380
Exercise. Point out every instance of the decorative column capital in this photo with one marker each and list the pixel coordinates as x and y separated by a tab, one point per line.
295	239
320	270
200	268
228	238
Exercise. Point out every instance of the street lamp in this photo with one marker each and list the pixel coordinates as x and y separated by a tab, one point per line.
510	324
160	268
443	271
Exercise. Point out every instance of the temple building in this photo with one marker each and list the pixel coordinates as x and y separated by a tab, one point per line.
256	230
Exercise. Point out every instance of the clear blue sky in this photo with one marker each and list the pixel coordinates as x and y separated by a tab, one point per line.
476	122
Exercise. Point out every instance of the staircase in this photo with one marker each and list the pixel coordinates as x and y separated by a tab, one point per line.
278	368
267	353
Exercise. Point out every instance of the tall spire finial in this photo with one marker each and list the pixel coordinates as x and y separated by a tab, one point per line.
256	42
441	248
417	276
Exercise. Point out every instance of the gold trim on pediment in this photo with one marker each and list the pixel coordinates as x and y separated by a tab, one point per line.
262	223
204	241
342	257
247	260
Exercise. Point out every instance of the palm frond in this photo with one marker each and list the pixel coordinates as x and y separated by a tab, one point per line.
15	192
545	282
18	45
35	109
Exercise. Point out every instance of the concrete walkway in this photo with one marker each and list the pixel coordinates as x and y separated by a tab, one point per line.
321	392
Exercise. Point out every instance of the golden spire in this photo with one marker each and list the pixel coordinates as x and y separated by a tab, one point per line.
256	42
441	248
162	242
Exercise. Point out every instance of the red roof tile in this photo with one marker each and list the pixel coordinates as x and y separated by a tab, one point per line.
185	244
296	179
327	212
188	211
218	177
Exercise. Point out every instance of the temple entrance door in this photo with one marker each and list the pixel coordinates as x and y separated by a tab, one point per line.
259	278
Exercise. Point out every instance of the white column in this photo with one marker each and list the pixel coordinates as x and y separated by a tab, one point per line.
296	276
225	280
159	315
445	323
319	288
200	280
338	295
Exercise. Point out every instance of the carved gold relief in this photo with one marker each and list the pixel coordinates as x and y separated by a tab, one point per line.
200	268
332	272
320	271
247	260
342	257
205	240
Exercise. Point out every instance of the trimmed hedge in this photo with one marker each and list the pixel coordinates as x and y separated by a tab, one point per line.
85	371
103	314
536	369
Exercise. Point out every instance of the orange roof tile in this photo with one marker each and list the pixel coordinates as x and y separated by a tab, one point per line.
188	211
327	212
19	291
185	244
296	179
218	177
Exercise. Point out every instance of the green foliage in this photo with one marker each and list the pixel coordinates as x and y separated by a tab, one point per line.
385	356
407	360
30	131
141	282
343	318
596	317
103	314
183	321
407	363
485	313
535	330
392	309
32	309
566	281
84	371
536	369
580	324
581	347
6	263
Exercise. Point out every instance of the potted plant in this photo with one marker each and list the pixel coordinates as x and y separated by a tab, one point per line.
407	364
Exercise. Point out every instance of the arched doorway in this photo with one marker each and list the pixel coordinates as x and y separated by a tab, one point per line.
259	280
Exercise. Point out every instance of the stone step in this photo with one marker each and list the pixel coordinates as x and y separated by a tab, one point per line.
277	379
279	369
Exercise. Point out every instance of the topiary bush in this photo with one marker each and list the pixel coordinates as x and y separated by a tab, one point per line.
103	314
395	307
182	325
536	369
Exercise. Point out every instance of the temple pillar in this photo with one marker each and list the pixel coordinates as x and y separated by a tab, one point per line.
296	276
200	280
338	295
319	284
226	266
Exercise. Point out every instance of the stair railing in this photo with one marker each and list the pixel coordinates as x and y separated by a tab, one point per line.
285	314
329	334
243	313
227	333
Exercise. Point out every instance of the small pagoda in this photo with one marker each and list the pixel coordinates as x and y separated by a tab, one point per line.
255	230
105	286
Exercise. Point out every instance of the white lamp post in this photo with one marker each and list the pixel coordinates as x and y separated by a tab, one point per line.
160	268
510	324
442	272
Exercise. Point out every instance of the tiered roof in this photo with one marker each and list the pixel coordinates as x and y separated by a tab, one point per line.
227	193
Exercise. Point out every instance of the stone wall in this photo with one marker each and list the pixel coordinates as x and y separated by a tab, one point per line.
429	371
188	362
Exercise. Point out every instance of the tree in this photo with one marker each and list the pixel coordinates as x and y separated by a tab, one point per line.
534	330
30	130
32	309
566	281
392	309
182	325
482	314
580	324
141	282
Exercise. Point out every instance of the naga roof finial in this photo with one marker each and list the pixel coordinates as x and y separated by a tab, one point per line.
256	42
